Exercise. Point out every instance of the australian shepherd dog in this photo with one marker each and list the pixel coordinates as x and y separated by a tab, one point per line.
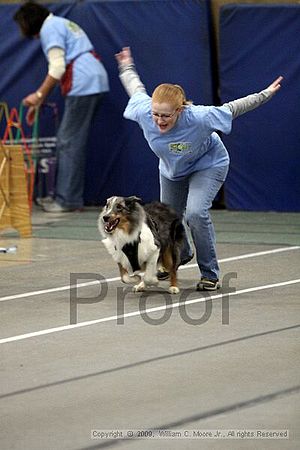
139	238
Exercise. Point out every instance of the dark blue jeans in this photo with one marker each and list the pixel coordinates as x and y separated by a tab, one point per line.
192	198
72	140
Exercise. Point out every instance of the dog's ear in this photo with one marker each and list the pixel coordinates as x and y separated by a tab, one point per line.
129	201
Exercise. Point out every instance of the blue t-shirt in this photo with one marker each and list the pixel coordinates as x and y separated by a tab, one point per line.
89	74
192	144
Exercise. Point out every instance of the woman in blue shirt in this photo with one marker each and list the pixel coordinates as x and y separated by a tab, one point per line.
193	161
72	62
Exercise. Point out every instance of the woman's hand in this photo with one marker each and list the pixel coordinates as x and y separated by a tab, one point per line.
275	86
30	116
124	57
32	100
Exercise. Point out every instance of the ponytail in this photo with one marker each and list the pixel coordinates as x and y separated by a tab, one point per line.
170	93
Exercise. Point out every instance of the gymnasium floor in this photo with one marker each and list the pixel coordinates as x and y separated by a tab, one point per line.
187	371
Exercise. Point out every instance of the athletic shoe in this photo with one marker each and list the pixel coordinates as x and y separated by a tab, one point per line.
55	207
208	285
163	274
41	201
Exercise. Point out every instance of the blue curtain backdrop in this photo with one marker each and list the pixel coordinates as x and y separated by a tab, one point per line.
170	42
257	44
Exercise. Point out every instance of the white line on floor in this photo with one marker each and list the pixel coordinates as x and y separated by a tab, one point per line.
146	311
109	280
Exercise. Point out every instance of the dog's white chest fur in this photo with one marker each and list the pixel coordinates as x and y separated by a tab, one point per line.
146	247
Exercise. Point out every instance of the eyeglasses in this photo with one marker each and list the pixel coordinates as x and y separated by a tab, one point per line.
164	116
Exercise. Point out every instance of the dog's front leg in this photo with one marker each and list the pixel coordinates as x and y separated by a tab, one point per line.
126	278
139	287
150	278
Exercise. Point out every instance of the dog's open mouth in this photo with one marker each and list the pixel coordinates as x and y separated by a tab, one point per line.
111	225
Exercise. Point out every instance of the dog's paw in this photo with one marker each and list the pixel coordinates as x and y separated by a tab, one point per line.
139	287
151	281
127	279
173	290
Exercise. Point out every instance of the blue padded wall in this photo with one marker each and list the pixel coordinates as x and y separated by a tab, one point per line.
170	43
257	44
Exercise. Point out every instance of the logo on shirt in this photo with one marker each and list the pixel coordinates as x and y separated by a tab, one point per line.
74	28
180	148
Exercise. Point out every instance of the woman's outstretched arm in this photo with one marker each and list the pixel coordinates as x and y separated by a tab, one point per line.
127	72
245	104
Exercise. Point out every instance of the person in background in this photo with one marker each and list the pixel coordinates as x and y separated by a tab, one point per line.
72	62
193	161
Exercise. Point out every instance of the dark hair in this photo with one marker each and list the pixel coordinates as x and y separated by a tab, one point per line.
30	18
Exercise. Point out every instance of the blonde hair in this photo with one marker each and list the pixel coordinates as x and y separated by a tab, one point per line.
170	93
